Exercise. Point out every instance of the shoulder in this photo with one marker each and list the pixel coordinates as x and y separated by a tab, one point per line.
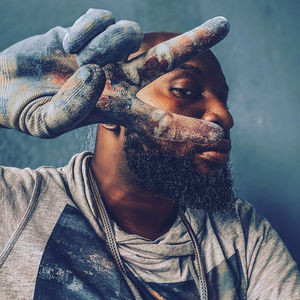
242	215
22	189
19	185
239	229
255	226
271	271
19	189
16	184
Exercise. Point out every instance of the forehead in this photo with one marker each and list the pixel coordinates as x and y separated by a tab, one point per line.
208	66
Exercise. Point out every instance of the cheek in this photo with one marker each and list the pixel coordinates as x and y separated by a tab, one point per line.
148	98
155	97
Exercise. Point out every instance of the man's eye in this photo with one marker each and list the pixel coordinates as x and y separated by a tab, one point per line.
183	93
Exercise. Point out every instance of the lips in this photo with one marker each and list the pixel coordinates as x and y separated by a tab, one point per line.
218	153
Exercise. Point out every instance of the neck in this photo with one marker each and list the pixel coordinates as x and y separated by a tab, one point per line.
134	209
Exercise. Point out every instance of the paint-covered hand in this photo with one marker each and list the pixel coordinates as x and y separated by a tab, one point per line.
43	90
118	103
52	83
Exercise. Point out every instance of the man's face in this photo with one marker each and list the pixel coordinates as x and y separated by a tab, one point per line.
181	171
197	89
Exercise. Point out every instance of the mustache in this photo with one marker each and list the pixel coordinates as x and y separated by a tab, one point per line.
223	146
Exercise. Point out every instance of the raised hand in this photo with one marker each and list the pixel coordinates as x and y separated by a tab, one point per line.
118	103
44	93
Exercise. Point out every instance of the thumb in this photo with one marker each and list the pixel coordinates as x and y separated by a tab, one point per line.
73	102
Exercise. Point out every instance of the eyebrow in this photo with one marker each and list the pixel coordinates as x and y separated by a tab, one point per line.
190	68
198	72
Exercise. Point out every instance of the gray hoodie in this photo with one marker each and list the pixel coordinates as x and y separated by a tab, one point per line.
53	246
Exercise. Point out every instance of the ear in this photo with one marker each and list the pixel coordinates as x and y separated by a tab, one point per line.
111	127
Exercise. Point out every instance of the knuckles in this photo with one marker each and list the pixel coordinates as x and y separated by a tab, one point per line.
86	28
114	44
96	38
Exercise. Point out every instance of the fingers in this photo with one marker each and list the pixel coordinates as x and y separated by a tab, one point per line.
114	44
86	28
134	113
165	125
96	39
72	104
169	54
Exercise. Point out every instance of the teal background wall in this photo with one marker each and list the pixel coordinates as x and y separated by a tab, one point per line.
260	58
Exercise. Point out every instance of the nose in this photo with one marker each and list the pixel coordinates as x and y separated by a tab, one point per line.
216	112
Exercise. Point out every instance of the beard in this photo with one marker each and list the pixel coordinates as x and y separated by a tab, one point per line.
177	178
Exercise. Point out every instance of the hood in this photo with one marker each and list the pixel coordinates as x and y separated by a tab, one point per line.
76	177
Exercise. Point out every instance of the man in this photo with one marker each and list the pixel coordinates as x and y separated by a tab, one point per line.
151	215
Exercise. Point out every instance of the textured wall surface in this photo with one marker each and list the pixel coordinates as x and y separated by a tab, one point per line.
260	59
